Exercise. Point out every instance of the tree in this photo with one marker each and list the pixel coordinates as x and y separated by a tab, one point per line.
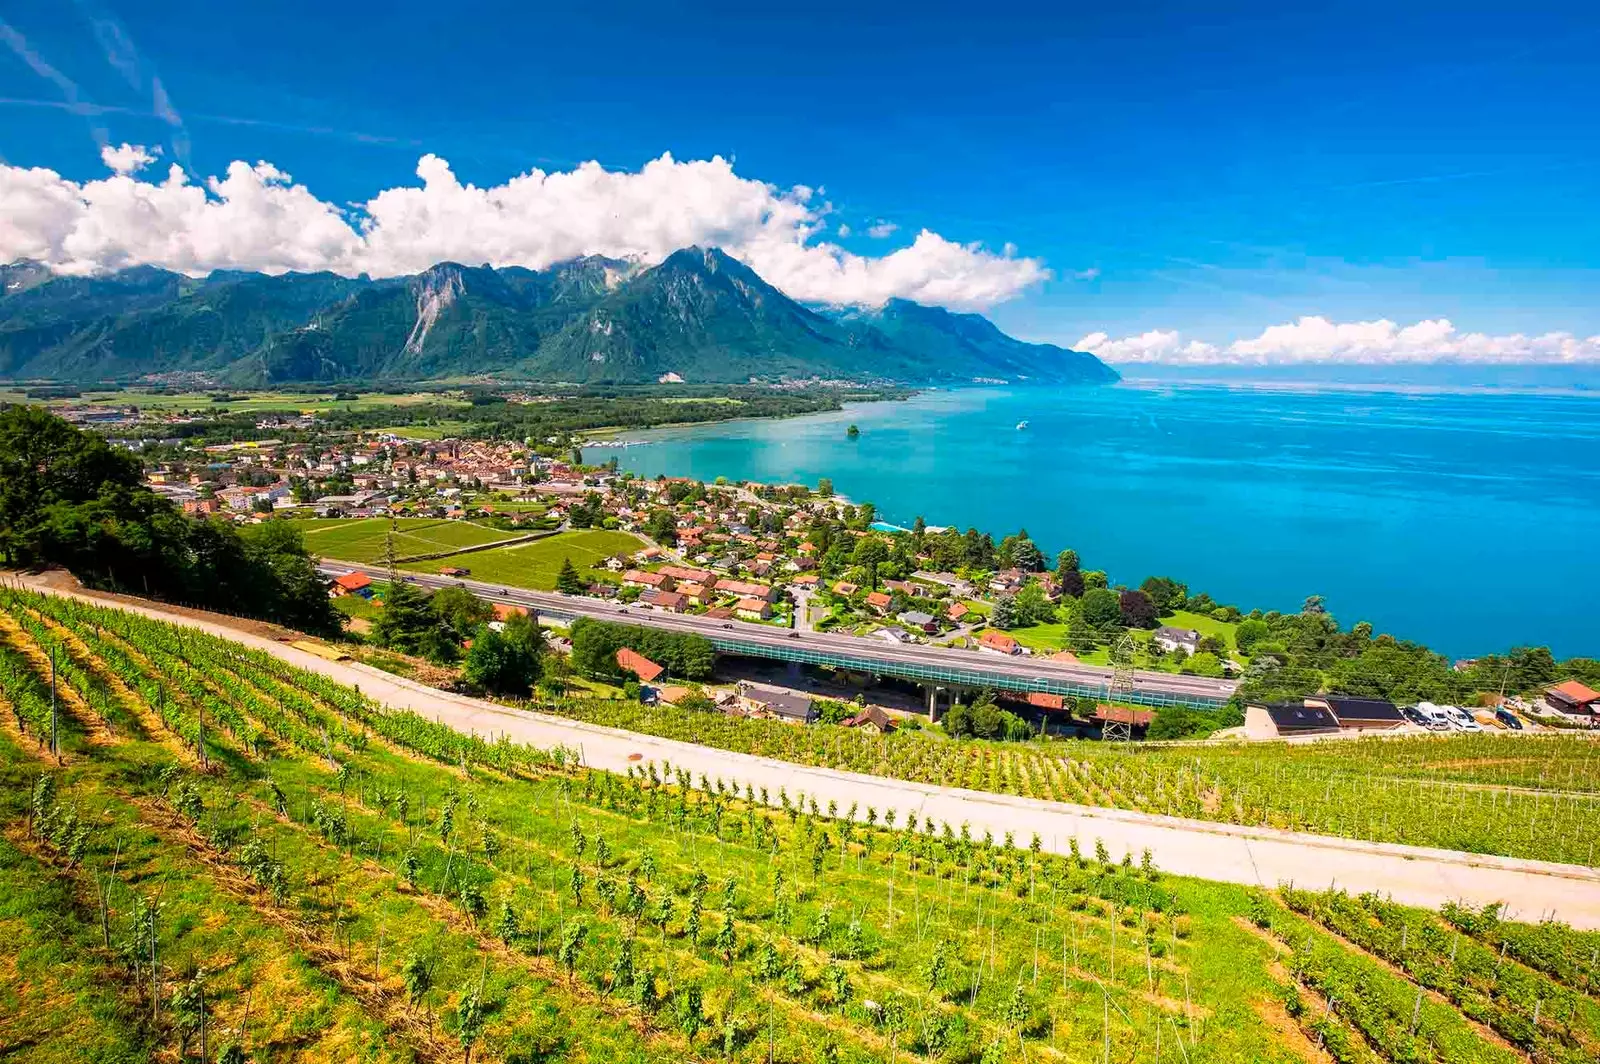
1100	607
662	526
506	662
1004	613
1033	606
1314	605
568	582
1025	555
870	553
1165	592
406	616
1249	633
1137	610
825	487
1203	664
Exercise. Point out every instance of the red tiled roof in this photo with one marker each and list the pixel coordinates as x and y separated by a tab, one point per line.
353	581
629	660
998	640
1574	691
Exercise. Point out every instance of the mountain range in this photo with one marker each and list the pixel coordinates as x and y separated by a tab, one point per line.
698	316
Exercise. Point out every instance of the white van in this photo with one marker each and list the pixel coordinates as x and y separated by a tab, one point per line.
1461	718
1437	718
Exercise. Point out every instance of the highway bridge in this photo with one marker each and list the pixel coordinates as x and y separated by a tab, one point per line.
934	667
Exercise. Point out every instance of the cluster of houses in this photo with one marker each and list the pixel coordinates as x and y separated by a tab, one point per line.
384	474
680	589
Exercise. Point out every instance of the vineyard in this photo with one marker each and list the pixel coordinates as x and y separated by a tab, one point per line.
210	854
1535	796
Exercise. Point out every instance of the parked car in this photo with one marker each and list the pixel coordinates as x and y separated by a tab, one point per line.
1411	714
1461	719
1437	718
1508	718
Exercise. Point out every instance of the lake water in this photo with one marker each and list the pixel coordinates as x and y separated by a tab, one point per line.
1468	520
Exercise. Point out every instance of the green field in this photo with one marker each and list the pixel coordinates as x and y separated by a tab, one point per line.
365	539
338	882
535	565
319	402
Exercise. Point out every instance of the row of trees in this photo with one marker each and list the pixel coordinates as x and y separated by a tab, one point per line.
69	498
595	645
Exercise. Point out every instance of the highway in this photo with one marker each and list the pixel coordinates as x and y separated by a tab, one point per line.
912	661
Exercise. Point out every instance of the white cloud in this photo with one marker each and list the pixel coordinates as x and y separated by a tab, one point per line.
881	230
1087	275
1316	339
844	230
129	158
256	217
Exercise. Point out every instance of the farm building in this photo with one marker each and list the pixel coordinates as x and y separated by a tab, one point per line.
760	700
1573	700
1277	720
1361	714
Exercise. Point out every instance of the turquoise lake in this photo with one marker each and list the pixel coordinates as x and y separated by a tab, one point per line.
1467	520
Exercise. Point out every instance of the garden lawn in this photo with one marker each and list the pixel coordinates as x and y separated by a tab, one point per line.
535	565
1205	626
364	539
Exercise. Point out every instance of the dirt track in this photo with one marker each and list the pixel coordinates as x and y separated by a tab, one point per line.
1260	856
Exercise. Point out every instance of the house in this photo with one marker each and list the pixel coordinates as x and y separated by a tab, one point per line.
752	609
1169	639
1277	720
352	584
915	590
671	601
454	570
804	581
1571	699
760	700
1065	657
641	578
845	588
1361	714
998	642
1133	718
699	594
504	611
1008	581
746	589
682	573
1046	700
630	660
720	613
957	612
923	622
878	602
873	721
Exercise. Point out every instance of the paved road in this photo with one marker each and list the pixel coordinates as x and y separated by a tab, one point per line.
1256	856
1022	668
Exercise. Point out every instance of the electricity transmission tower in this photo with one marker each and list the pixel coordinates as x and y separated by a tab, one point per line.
1120	690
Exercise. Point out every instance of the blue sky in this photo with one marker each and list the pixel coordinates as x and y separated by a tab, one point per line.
1208	173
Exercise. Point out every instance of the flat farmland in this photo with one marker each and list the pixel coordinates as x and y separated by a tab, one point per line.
535	565
364	539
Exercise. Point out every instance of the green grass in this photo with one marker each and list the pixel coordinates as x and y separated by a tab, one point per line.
1205	625
535	565
255	401
1046	638
437	431
364	539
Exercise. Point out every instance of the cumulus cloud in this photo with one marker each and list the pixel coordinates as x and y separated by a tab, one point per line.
1316	339
881	230
129	158
257	217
